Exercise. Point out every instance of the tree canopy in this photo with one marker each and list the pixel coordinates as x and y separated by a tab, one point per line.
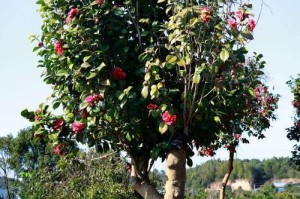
150	77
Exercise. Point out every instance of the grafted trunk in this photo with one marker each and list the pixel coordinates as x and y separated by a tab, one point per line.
175	174
145	189
227	175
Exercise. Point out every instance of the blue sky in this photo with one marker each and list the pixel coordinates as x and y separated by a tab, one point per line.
277	36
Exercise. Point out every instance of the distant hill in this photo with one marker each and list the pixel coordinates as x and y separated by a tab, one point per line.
254	170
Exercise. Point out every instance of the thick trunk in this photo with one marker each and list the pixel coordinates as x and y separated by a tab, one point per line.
145	189
227	175
175	174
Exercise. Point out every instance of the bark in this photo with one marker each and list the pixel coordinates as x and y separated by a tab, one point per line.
144	188
175	174
227	175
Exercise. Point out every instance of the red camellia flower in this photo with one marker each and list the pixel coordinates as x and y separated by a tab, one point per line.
241	15
232	23
77	127
58	48
251	24
72	13
98	97
91	99
205	14
209	152
59	149
237	136
168	118
37	118
152	106
57	124
118	73
99	2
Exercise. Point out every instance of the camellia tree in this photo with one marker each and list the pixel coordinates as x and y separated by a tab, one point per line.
154	78
294	131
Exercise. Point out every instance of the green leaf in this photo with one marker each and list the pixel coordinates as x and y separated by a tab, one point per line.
83	105
25	113
99	68
92	75
219	27
118	11
251	92
145	92
247	34
128	137
147	77
56	105
105	83
161	1
35	48
163	127
196	78
85	65
53	136
62	72
224	55
171	59
217	119
154	92
181	62
163	107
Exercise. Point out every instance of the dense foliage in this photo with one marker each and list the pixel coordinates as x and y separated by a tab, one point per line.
294	131
254	170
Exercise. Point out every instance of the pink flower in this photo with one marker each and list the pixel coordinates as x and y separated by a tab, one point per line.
72	13
118	73
168	118
237	136
92	99
152	106
58	48
68	20
57	124
262	111
241	15
77	127
265	89
59	149
232	23
37	118
205	14
251	24
99	2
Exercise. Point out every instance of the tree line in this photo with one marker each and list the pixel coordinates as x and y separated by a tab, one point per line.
257	171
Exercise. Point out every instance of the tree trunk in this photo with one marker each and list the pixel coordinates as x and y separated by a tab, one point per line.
227	175
175	174
145	189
